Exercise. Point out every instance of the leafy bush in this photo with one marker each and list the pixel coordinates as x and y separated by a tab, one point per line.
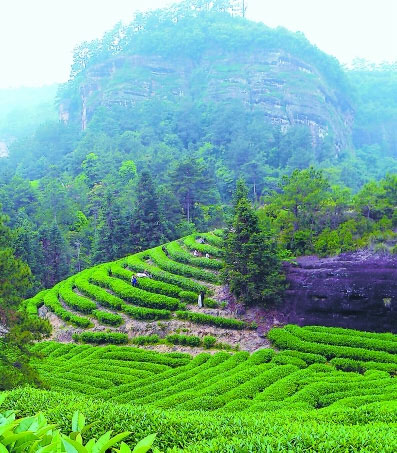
177	253
162	260
134	295
51	301
218	321
287	338
34	434
148	314
192	244
99	294
209	341
136	263
108	318
31	305
185	340
101	337
73	300
148	284
146	339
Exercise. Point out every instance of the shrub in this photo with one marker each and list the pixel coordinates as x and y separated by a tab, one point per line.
226	323
262	356
286	338
73	300
142	313
35	434
186	340
147	284
136	263
134	295
192	244
209	341
146	339
51	301
101	337
177	253
108	318
162	260
34	303
99	294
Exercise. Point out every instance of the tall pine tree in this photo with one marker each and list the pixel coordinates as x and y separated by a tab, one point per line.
56	254
253	267
111	236
147	221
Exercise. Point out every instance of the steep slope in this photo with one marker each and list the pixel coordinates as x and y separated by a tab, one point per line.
102	300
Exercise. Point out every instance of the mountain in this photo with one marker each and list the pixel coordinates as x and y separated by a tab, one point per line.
203	61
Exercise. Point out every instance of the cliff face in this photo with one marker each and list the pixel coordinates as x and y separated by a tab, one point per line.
352	290
285	89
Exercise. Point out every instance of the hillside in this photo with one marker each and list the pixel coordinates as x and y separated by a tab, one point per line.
102	300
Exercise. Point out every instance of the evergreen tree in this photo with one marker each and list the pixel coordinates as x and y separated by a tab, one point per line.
253	267
56	254
21	331
193	185
147	220
111	236
27	247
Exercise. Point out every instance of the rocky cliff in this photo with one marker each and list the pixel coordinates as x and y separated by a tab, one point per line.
285	89
356	290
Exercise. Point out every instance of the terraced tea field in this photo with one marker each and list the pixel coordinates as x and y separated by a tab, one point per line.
316	368
311	388
103	297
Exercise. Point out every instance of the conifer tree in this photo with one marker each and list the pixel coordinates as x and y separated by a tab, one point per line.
253	267
15	280
56	254
27	247
147	220
111	236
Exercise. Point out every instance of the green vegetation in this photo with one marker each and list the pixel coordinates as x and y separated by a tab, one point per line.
89	205
311	216
253	266
19	329
299	397
109	285
101	337
36	434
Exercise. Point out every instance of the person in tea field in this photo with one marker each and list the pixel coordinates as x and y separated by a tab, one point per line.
134	281
200	300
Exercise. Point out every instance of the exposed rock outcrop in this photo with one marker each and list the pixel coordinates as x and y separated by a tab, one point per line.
355	290
286	90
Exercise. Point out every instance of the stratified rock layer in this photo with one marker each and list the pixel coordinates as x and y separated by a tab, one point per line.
354	290
286	90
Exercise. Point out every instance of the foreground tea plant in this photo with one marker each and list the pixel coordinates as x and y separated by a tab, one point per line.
35	434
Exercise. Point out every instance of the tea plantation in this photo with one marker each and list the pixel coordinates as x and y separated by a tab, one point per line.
316	389
99	295
323	389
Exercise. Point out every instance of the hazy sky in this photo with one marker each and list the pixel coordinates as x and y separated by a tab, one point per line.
37	37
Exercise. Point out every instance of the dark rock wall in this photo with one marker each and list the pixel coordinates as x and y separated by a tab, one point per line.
352	290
